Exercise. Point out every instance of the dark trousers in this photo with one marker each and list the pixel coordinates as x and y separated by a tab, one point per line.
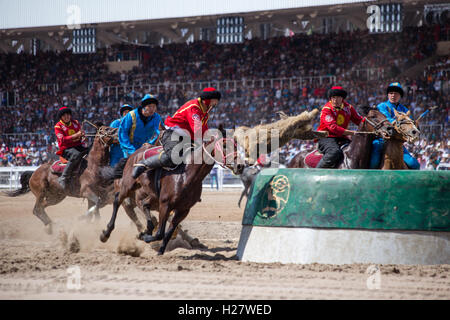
332	152
73	156
74	153
169	141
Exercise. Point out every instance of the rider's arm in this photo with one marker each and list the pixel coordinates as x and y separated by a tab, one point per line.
327	118
384	109
194	118
124	134
63	138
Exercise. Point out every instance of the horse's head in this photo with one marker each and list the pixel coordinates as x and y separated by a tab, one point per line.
405	126
107	135
378	123
224	152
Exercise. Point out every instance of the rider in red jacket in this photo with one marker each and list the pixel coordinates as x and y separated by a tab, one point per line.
335	118
69	135
186	126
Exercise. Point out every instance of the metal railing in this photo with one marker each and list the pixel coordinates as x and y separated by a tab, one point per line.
121	90
10	176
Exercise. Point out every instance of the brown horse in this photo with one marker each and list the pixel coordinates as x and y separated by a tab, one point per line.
177	190
45	186
357	154
405	131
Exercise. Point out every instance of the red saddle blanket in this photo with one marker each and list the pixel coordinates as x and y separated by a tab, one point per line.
58	166
313	158
152	151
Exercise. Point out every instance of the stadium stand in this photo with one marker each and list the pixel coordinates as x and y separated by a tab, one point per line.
257	78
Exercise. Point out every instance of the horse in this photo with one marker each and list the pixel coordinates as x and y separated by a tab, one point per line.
87	182
405	131
176	190
357	154
247	177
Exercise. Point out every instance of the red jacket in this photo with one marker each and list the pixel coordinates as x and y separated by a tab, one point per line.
63	134
192	116
336	121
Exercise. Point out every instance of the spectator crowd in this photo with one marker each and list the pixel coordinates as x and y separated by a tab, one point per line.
33	87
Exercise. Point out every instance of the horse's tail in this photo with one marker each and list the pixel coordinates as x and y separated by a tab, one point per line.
25	182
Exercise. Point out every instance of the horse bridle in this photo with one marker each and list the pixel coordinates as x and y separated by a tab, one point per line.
218	146
376	126
101	132
397	125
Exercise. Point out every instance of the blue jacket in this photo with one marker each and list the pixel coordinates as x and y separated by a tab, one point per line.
133	133
387	109
115	152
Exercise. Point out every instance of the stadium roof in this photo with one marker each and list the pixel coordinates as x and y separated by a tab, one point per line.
155	22
31	13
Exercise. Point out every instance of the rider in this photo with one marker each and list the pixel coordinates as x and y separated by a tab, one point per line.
334	118
70	137
139	126
190	122
115	152
394	92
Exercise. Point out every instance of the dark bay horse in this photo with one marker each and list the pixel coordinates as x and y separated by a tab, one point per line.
45	186
357	154
405	131
177	190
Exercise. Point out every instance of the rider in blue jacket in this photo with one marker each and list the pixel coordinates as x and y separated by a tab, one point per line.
139	126
115	152
394	92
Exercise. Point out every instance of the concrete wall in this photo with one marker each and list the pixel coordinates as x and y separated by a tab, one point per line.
443	48
343	246
119	66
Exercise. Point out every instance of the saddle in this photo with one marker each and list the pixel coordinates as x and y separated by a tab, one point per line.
160	172
312	159
152	151
59	165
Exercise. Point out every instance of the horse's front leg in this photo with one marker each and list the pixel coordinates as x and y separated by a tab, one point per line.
177	218
118	199
163	216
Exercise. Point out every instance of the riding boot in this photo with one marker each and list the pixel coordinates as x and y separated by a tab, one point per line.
154	162
118	168
143	165
67	174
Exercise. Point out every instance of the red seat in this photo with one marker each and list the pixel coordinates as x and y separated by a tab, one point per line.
58	166
313	158
152	151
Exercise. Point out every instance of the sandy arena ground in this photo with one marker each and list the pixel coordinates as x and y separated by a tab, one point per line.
34	265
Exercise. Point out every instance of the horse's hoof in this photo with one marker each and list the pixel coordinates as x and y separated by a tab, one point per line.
147	238
141	235
49	229
160	253
104	237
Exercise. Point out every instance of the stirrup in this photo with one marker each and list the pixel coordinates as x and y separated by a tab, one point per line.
139	165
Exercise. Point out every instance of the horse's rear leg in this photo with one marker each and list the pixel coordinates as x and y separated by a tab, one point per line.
39	212
43	201
93	209
129	209
118	199
177	218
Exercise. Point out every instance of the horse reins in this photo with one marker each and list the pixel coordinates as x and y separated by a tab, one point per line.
376	126
219	147
100	132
